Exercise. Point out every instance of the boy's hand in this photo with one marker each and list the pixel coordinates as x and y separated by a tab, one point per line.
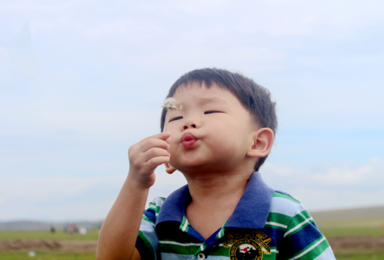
145	156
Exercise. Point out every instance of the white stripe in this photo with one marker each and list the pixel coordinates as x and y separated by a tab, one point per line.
185	225
272	250
159	202
170	256
146	226
222	244
309	249
149	233
219	235
326	255
147	220
285	206
276	224
179	244
299	225
201	247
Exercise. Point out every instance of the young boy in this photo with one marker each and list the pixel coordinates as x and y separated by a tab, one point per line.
218	140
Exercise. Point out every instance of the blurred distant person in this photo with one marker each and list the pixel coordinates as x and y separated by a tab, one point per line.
53	229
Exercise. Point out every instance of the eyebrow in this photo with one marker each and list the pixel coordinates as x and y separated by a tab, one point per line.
204	100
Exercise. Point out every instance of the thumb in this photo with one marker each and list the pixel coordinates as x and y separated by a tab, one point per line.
168	168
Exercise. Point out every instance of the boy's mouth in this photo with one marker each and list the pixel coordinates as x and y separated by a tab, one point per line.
188	140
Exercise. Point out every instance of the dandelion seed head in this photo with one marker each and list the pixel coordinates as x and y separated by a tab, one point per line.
170	103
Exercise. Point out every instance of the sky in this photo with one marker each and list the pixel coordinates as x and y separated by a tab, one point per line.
81	81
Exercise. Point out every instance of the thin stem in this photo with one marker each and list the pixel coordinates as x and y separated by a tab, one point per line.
166	120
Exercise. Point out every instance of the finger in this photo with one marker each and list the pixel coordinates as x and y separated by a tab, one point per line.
154	143
154	152
169	168
162	135
152	164
147	144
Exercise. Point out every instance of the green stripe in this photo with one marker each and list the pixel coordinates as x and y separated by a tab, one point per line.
221	233
278	218
275	226
313	252
148	220
147	244
298	222
281	195
305	213
271	256
202	247
220	251
318	250
183	224
177	249
153	206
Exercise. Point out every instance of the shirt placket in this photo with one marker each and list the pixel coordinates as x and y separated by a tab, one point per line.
200	254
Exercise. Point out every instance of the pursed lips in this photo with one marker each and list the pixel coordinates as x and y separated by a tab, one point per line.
188	140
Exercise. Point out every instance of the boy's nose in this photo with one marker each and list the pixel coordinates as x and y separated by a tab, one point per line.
190	123
190	126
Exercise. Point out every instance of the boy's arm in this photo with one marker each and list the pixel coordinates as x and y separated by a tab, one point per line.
120	229
303	239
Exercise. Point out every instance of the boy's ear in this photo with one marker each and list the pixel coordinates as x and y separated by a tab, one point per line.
168	168
262	141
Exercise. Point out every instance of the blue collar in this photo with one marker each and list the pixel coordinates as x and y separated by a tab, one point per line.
251	212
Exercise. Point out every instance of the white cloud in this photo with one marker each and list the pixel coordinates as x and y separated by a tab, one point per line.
338	186
39	119
341	175
37	188
277	18
317	199
68	197
21	53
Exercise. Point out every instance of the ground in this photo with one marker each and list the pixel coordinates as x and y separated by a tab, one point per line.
336	243
352	243
46	245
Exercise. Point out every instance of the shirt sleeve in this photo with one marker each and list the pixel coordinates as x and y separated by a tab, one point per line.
303	240
147	242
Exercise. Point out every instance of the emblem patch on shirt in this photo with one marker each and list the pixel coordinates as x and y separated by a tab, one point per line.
248	246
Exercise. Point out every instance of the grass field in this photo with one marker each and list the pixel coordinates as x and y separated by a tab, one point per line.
351	231
46	255
328	230
92	235
54	255
359	254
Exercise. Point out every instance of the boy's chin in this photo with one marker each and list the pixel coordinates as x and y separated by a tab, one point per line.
197	169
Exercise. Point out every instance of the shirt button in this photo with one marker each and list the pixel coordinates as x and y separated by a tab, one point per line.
200	256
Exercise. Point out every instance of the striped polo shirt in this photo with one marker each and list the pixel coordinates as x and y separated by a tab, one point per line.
265	224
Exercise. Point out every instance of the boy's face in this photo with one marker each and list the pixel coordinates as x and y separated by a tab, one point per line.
212	132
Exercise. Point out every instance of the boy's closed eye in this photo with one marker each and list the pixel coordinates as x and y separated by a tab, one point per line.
206	113
212	112
175	118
